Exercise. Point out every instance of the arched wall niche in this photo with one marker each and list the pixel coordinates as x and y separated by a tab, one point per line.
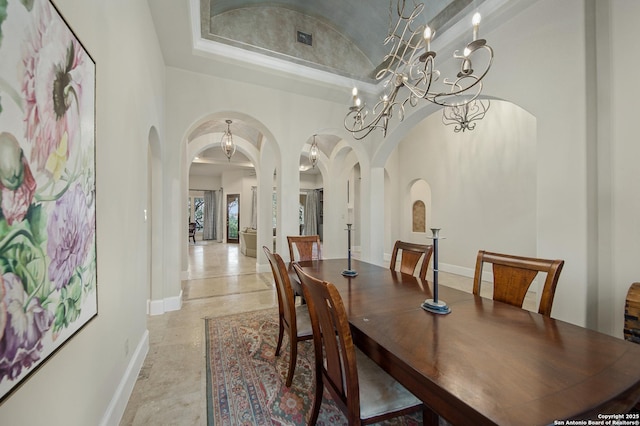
419	217
420	204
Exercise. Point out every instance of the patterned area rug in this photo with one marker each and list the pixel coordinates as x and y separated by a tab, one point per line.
246	381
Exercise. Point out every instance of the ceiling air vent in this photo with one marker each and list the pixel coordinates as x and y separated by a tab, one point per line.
304	38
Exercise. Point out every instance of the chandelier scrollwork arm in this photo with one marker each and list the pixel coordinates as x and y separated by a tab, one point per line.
464	117
410	64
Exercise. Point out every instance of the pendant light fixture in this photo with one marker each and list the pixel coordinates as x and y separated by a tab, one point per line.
313	152
228	147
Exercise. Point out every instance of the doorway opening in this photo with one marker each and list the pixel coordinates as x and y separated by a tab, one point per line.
233	218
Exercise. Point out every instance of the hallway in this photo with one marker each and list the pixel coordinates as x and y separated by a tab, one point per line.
170	389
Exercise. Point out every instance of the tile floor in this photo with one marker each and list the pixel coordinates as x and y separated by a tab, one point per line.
170	389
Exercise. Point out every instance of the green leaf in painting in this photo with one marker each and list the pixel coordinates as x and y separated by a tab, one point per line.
89	274
20	254
30	267
74	289
3	16
38	222
59	319
68	309
4	226
28	4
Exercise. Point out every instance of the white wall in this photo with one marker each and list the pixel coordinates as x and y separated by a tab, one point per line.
619	203
483	185
309	181
393	201
203	183
248	180
542	68
79	385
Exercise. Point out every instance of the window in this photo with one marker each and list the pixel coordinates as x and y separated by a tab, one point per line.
197	213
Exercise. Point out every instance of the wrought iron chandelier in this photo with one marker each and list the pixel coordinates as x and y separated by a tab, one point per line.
313	152
228	147
410	64
464	116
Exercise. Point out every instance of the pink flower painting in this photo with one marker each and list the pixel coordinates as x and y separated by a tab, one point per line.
47	188
55	64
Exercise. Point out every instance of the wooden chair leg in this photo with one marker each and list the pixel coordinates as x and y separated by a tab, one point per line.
292	363
280	335
317	401
429	417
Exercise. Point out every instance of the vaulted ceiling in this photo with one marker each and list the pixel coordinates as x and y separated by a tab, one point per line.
338	41
345	37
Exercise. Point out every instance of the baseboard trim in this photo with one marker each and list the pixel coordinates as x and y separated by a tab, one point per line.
452	269
118	403
173	303
159	307
263	268
460	270
155	307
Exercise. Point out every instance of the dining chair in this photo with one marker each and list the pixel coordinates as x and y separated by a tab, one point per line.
410	256
292	319
632	314
513	275
192	232
360	388
307	247
632	320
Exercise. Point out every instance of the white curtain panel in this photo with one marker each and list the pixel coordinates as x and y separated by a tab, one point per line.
311	213
254	207
218	216
208	225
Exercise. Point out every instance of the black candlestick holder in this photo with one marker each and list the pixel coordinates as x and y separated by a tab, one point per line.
434	305
349	272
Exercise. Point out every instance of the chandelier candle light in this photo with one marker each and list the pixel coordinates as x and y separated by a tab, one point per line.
434	305
410	64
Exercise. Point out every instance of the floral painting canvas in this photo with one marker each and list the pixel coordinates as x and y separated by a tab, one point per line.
47	187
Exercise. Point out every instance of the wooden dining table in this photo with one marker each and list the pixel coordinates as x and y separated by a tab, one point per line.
486	362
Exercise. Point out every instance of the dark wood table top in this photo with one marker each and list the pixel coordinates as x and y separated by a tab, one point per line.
486	362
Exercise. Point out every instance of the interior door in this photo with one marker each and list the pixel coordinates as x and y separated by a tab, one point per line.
233	218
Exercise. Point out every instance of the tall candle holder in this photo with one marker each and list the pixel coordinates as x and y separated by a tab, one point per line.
349	272
434	305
